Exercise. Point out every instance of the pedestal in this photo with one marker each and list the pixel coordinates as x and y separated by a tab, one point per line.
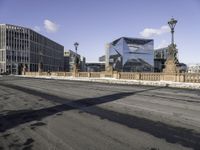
171	65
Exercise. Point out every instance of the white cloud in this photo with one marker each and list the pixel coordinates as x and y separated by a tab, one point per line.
149	32
50	26
37	28
163	43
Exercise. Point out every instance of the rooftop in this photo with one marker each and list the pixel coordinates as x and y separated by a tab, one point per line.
130	40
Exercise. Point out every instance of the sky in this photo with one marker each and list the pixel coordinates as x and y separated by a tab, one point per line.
93	23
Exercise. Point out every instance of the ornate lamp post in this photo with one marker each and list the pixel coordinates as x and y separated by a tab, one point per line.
172	24
76	61
172	63
173	50
76	46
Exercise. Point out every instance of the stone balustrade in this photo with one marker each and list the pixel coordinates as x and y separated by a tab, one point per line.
151	76
83	74
129	75
95	74
192	77
180	77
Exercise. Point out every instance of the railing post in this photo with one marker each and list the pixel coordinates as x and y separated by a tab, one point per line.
115	74
119	75
182	77
140	76
89	74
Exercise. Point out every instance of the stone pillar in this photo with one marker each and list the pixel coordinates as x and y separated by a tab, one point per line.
75	71
137	76
171	65
40	68
24	70
89	74
116	74
109	71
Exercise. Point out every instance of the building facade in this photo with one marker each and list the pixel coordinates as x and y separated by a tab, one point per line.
130	55
160	57
193	68
69	61
83	64
22	47
95	66
66	61
102	58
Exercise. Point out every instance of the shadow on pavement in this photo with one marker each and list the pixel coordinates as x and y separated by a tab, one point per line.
170	133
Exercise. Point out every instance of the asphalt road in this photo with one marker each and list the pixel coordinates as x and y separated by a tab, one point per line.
38	114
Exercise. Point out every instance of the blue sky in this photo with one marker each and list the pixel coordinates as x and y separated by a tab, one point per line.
93	23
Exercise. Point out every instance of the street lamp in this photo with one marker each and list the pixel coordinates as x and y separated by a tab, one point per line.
172	24
76	46
76	57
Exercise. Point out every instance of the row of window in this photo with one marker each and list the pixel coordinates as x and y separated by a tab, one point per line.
45	60
2	56
17	58
44	50
35	37
35	67
2	37
17	34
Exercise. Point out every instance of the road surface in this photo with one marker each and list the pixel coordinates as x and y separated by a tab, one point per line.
39	114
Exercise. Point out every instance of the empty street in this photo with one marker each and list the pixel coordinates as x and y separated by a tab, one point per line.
40	114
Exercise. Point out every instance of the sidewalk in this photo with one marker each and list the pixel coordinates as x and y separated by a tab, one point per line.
123	81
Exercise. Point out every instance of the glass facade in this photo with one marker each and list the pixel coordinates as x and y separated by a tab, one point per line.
45	52
130	55
24	48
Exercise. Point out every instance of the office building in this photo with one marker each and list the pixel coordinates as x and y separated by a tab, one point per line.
102	58
193	68
130	55
22	47
83	64
95	66
66	61
160	56
69	61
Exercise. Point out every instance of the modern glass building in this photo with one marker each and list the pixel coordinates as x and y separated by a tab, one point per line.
22	47
130	55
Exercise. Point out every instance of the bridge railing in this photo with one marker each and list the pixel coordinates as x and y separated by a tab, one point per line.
192	77
181	77
151	76
129	75
82	74
95	74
